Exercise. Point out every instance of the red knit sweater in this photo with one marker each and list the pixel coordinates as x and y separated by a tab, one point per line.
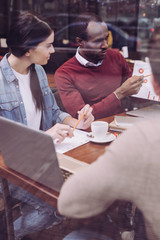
79	85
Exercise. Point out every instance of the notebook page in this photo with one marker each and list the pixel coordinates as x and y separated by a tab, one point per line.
80	138
146	91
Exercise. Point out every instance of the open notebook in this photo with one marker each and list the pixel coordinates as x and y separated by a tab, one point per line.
32	153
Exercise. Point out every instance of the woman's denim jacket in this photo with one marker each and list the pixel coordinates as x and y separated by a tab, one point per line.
11	102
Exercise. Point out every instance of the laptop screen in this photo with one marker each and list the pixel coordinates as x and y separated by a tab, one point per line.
30	153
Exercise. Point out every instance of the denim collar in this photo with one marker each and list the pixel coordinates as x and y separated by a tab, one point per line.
6	68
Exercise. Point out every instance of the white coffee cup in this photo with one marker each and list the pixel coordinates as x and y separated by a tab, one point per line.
99	129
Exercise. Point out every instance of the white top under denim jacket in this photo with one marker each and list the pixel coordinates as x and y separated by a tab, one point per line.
40	215
11	103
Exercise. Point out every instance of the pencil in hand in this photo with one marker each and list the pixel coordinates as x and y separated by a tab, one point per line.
148	75
78	122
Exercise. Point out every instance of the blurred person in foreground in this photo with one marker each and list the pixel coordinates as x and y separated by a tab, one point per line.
128	170
96	75
25	97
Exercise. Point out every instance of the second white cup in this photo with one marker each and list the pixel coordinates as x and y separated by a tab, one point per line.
99	129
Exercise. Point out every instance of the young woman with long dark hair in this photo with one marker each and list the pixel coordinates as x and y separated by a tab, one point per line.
25	97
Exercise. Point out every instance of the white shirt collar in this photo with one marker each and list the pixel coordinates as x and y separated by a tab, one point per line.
85	62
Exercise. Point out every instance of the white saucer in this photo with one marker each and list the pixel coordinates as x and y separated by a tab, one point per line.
109	138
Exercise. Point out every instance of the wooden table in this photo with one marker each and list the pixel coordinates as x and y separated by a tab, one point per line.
88	152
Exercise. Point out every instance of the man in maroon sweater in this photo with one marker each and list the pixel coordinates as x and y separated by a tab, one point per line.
96	75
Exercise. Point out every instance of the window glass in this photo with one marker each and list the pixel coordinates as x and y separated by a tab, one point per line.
130	22
148	20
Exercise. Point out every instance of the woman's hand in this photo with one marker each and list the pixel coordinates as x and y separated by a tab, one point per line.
88	117
59	132
66	131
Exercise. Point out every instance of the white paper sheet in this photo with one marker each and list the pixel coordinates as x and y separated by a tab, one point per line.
146	91
80	138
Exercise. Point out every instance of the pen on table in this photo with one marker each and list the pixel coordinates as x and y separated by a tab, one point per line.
78	122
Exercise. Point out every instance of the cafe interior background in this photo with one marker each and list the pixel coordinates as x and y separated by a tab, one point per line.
131	23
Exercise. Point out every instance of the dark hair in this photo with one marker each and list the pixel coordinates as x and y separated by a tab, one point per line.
26	32
81	24
154	54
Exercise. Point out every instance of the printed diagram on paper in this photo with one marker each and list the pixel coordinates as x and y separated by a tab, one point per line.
146	91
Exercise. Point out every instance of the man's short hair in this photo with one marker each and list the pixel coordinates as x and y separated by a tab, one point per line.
154	54
81	24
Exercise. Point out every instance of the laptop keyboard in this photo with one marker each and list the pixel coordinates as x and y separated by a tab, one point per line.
66	174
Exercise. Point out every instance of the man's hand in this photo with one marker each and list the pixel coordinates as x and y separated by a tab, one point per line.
131	86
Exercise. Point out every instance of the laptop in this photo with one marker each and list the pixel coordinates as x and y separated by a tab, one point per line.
32	153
